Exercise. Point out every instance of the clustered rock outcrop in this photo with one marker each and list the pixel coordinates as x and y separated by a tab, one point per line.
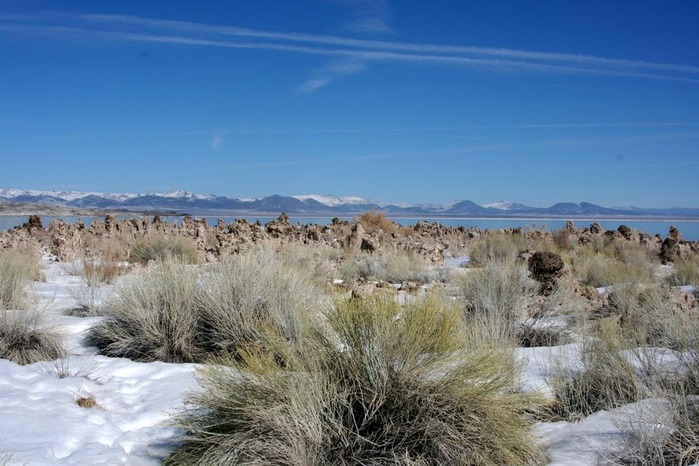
430	240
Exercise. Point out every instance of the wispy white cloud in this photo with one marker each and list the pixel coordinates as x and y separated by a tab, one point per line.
368	17
353	50
323	76
217	141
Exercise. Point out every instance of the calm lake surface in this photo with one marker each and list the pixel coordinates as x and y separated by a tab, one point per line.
689	228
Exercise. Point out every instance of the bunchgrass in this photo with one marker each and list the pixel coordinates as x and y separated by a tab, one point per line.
376	384
162	248
16	273
685	271
601	270
25	338
245	295
390	266
153	316
602	377
181	313
500	293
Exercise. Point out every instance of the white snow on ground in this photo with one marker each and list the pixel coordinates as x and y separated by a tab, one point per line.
41	423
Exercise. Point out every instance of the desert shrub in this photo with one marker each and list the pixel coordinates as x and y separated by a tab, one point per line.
601	270
164	248
153	315
16	272
633	254
498	294
603	379
649	316
24	338
319	261
497	247
377	385
246	295
685	271
391	266
374	222
94	273
664	434
180	313
97	271
556	319
564	239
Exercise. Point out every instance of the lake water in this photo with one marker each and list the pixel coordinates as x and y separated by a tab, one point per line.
689	229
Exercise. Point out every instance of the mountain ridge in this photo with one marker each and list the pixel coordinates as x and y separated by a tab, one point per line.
186	202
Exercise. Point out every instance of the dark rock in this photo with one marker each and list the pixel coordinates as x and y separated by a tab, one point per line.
545	263
545	268
34	222
625	231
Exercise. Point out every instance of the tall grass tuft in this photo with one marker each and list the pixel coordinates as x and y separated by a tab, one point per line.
391	266
247	295
498	294
24	338
605	378
16	273
162	248
153	316
685	271
181	313
376	385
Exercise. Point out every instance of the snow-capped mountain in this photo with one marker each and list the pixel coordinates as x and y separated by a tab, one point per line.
181	201
332	201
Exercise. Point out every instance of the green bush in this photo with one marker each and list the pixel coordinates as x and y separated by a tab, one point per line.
374	385
163	248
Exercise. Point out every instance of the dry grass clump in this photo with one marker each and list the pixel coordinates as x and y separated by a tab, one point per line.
179	313
666	434
25	340
376	384
594	269
390	266
86	401
497	247
23	337
153	316
246	295
319	261
556	319
98	271
686	271
375	222
162	248
16	273
498	293
604	378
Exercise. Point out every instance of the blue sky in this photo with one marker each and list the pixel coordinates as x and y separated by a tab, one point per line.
529	101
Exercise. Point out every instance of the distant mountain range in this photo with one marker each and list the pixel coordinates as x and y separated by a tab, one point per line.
185	202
